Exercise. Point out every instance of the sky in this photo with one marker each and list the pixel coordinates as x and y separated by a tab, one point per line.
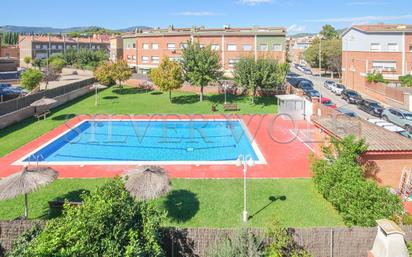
296	15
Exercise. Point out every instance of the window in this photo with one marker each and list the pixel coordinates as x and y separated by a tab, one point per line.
54	46
45	46
38	46
93	47
277	47
375	47
176	59
393	47
215	47
183	45
202	45
129	57
231	47
155	46
263	47
60	47
410	48
145	59
232	62
247	47
134	57
384	65
171	46
98	47
155	59
145	46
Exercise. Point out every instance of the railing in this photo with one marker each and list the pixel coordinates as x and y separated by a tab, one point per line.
25	101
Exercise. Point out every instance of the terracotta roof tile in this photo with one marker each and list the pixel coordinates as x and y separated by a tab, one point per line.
384	27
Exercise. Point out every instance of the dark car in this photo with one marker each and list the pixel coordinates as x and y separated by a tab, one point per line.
294	81
4	85
351	96
312	93
306	86
346	112
372	107
292	75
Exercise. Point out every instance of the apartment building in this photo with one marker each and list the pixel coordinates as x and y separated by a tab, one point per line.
297	47
382	48
145	49
116	48
42	46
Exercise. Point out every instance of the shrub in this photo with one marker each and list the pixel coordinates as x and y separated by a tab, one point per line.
406	81
20	246
104	74
31	78
109	223
243	243
340	179
282	243
376	77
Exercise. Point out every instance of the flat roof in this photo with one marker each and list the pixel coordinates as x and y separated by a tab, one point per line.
377	138
289	97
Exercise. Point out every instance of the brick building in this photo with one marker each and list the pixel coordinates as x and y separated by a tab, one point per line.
42	46
297	47
116	48
383	48
146	48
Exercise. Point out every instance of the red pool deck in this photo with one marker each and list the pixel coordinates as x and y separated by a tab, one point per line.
286	154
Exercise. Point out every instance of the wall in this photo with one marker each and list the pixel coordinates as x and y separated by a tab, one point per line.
320	242
10	52
356	40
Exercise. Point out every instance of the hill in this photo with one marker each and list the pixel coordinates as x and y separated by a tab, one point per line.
46	30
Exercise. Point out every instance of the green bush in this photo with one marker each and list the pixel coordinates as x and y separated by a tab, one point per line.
340	179
109	223
406	81
282	243
243	243
376	77
31	78
20	246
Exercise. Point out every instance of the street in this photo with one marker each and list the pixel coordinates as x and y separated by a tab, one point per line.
318	85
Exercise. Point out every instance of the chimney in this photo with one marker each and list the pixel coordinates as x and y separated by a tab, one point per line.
171	28
226	26
389	240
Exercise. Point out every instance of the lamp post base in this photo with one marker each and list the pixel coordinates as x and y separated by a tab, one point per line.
245	216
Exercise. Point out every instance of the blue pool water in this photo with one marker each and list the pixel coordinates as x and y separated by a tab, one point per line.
148	141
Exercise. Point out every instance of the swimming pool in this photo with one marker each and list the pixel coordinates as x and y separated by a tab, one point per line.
149	142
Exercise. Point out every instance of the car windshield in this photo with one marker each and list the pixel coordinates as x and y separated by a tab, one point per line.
408	116
315	93
340	86
327	102
376	105
353	94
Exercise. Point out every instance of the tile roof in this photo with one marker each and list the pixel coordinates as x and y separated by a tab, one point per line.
59	39
378	139
384	27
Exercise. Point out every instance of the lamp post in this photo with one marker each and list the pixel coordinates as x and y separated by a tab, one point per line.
225	87
245	161
320	56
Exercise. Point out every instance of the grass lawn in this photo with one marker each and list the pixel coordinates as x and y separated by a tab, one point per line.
208	203
127	101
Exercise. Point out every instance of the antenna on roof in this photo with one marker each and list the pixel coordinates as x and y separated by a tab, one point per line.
226	26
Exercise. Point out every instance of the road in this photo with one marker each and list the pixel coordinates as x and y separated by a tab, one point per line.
318	85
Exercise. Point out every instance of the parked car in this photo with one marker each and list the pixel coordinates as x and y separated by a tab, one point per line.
307	71
351	96
372	107
306	86
391	127
312	93
4	85
400	117
337	88
346	112
9	93
295	81
327	102
292	75
328	84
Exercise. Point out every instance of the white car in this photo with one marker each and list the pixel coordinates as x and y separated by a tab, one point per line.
328	84
337	88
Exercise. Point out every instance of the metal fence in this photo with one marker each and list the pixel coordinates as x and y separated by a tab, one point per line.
25	101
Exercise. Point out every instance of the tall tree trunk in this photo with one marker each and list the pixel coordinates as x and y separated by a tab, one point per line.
201	93
170	95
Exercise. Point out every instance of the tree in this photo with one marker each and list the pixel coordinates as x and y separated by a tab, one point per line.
57	64
333	55
406	81
201	65
342	181
329	32
37	63
31	78
168	76
108	223
70	56
121	72
104	73
27	60
263	74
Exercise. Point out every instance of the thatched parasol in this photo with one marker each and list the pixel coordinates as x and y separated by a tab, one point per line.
147	182
25	182
43	102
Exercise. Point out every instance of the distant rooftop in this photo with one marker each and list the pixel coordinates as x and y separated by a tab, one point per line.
227	30
384	28
58	39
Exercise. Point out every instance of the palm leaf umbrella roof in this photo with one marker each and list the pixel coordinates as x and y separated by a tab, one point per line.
25	182
147	182
43	102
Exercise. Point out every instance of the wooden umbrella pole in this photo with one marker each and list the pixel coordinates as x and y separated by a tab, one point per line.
26	207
